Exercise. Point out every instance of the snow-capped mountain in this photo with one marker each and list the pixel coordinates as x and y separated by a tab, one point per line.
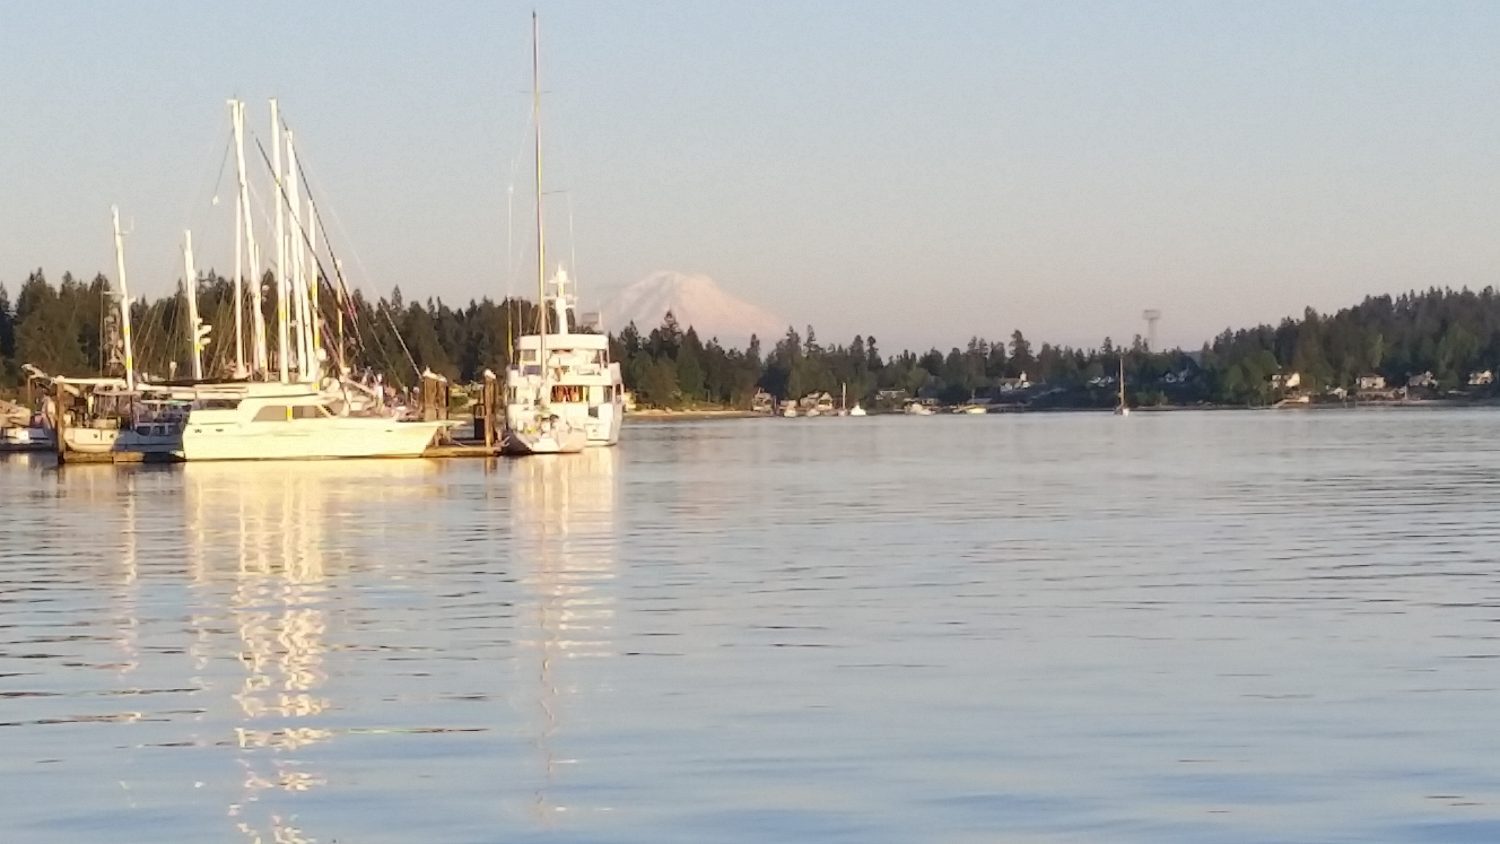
697	301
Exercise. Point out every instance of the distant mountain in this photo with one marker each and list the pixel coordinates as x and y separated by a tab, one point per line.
696	301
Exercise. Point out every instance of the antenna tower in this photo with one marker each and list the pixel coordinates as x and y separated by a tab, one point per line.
1152	316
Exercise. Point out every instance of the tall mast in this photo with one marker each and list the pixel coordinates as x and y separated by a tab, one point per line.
124	301
541	241
295	253
283	341
190	292
239	246
258	360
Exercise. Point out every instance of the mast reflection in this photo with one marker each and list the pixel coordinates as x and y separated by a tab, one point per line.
563	527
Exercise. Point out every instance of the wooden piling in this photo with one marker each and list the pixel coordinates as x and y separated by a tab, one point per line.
59	422
487	405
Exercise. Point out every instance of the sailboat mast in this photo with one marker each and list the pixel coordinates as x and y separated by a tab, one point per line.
541	242
124	301
239	247
283	340
190	292
257	314
295	253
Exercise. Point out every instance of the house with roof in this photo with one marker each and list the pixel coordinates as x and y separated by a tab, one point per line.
1286	380
1008	385
1422	381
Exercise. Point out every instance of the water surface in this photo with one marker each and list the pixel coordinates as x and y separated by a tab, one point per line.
1194	627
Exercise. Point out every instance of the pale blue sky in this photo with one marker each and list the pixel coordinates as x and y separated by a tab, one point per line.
919	171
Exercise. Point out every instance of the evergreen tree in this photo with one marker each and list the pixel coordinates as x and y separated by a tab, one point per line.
1020	354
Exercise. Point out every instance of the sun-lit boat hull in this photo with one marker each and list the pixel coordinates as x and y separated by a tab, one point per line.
309	439
568	442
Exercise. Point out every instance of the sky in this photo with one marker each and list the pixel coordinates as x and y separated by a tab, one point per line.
921	172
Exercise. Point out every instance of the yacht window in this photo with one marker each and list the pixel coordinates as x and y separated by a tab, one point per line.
219	404
307	411
609	393
272	413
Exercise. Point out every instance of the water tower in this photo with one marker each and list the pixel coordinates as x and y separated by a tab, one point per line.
1152	316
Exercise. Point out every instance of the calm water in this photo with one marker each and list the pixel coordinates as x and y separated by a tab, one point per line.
1194	627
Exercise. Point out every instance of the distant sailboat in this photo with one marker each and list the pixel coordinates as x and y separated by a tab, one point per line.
1122	409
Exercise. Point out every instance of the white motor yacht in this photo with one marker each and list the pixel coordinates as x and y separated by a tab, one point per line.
272	421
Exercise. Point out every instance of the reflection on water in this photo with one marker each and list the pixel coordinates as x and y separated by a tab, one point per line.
563	536
1181	627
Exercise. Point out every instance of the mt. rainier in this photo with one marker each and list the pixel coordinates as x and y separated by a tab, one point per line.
695	300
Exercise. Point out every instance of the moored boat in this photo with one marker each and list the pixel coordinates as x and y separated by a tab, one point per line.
272	421
563	393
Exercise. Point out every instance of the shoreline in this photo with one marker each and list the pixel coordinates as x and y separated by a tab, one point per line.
660	415
655	415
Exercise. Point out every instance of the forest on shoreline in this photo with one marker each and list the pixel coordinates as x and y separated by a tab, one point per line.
66	329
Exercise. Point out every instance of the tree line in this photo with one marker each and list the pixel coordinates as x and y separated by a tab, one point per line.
71	329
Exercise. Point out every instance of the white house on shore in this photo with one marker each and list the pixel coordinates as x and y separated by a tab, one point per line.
1286	380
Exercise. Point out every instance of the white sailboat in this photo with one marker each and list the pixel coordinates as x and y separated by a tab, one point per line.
116	415
1122	409
556	373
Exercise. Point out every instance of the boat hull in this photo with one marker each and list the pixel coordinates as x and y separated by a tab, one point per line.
312	439
109	440
568	442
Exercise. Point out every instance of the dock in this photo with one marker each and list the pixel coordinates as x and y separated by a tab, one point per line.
464	448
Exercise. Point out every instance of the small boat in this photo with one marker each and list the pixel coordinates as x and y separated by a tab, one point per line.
1122	409
856	410
26	438
551	436
916	408
973	409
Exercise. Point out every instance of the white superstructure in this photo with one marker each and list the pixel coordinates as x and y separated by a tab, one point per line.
575	381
